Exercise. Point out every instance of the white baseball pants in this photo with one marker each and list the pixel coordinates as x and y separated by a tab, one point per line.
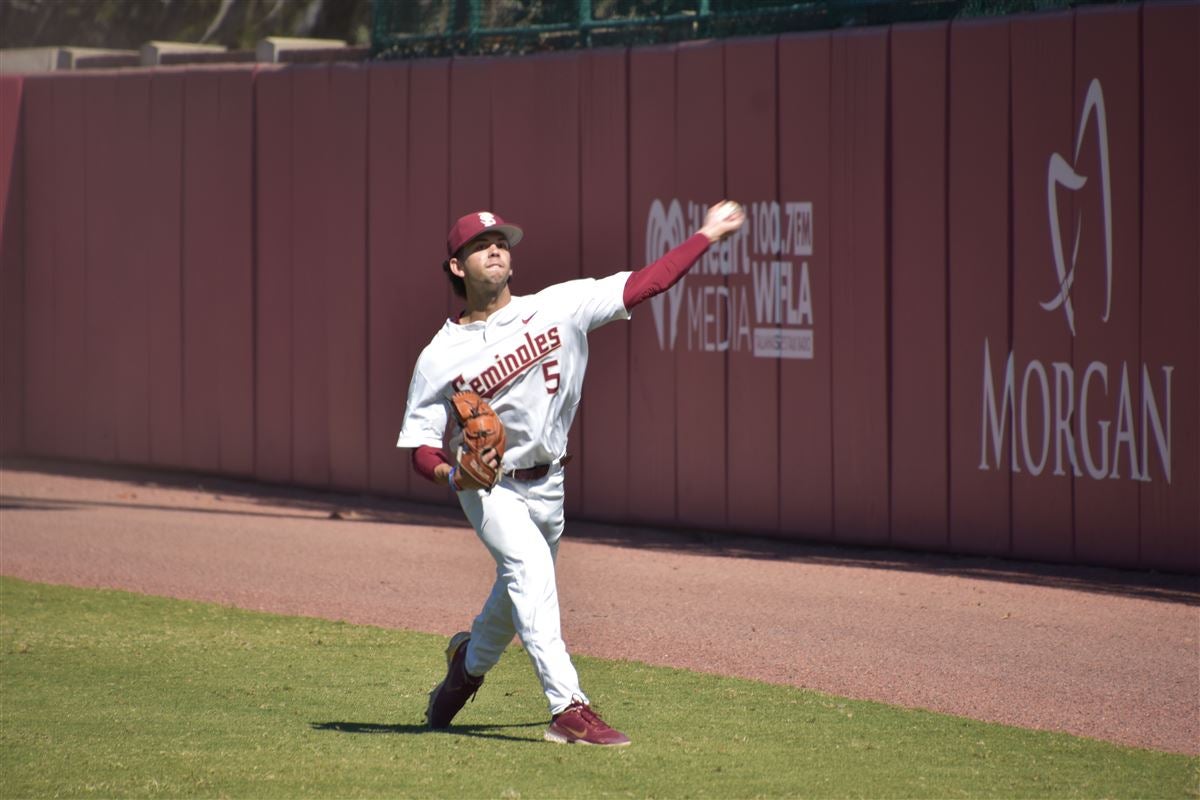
520	523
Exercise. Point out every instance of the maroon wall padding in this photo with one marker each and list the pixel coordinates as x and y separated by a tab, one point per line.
12	253
979	267
70	269
604	238
312	121
1042	111
273	322
535	157
859	259
116	109
233	270
805	437
202	294
427	299
104	303
704	473
920	481
40	162
388	260
752	382
1170	512
131	287
471	110
346	277
235	227
535	169
1107	50
218	360
162	239
652	380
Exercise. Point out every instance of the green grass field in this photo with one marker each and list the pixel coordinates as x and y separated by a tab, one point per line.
110	694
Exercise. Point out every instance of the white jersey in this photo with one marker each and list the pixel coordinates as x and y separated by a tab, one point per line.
527	360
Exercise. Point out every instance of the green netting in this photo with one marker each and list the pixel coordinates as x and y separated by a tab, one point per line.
430	28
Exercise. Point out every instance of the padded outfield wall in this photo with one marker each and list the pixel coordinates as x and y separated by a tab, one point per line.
964	315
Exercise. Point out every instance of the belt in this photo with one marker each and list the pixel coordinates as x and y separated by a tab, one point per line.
536	473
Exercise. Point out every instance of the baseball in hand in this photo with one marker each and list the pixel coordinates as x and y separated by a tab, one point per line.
722	220
727	209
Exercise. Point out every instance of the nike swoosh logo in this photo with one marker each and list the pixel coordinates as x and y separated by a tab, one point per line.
577	733
526	320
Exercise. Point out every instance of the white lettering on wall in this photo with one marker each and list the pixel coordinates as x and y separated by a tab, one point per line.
1065	431
771	316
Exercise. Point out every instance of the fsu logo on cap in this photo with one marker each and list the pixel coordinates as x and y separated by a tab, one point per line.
471	225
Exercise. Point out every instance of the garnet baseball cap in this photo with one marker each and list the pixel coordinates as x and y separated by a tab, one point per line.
476	223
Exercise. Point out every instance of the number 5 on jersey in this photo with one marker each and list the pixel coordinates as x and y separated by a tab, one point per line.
550	373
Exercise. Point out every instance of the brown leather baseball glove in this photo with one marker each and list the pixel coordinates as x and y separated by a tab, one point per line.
482	432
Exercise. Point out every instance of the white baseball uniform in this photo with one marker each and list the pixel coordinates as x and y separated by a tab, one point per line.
528	361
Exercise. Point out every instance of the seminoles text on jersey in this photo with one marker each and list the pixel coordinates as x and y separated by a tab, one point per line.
510	365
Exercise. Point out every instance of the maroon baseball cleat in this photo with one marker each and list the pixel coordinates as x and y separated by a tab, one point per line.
449	696
578	724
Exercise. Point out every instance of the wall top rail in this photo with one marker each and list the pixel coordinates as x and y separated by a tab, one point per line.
270	50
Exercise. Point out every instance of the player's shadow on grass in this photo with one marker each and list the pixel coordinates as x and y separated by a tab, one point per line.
481	731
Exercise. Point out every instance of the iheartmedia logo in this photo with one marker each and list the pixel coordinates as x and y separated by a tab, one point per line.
770	315
665	231
1100	421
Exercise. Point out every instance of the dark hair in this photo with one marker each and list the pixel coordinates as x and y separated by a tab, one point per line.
456	283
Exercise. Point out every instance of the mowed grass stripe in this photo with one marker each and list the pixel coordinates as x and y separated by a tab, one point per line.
111	694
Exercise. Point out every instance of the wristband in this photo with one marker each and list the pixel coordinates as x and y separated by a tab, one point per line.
453	488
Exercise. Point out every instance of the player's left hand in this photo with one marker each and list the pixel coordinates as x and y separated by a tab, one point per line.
464	479
483	442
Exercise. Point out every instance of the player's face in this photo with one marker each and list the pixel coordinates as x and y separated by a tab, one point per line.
486	262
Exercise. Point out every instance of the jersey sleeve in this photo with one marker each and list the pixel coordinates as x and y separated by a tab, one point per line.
425	414
665	272
595	301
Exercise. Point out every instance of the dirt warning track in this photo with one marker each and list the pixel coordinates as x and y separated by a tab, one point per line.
1107	654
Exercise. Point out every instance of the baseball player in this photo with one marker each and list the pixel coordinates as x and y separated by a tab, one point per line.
526	356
